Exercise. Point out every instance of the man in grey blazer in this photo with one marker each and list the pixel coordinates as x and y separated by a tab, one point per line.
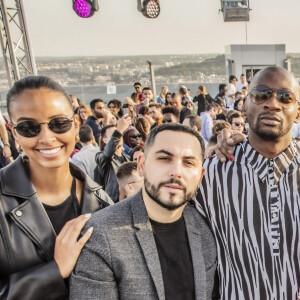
154	244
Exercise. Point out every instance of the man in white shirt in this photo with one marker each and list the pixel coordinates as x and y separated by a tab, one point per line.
240	84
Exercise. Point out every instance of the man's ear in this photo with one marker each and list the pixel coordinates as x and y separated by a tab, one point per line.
297	119
141	164
202	173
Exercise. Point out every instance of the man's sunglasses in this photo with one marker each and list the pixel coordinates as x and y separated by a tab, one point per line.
261	94
239	124
32	129
167	121
138	136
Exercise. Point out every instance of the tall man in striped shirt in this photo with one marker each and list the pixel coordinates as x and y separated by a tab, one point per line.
253	202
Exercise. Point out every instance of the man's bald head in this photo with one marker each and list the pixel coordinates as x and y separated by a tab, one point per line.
276	74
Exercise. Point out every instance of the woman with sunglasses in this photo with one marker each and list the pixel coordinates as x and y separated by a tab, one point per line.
44	200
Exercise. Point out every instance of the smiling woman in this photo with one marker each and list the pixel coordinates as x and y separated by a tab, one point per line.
44	200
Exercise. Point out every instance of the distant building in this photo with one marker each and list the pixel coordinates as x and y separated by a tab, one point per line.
249	59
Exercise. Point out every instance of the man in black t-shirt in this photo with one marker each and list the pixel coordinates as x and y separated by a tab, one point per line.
154	244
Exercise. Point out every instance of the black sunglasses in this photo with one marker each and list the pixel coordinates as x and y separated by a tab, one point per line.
138	136
167	121
32	129
261	94
239	123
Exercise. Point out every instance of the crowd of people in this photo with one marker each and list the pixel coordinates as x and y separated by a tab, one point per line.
110	200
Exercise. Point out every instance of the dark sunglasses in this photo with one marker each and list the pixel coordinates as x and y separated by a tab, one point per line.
138	136
261	94
167	121
239	124
32	129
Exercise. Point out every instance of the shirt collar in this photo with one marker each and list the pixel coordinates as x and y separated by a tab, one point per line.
260	163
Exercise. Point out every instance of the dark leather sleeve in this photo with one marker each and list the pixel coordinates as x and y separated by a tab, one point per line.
43	281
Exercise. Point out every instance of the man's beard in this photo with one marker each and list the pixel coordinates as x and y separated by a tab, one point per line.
98	115
271	134
153	192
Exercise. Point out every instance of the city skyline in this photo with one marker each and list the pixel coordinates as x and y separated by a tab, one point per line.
189	27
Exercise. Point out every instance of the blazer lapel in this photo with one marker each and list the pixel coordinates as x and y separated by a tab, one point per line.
197	257
146	240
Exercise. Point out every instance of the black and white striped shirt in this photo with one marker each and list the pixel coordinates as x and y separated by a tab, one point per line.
253	205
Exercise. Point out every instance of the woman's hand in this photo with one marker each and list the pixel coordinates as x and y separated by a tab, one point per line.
67	245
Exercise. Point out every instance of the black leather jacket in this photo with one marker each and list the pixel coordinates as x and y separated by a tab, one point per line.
28	270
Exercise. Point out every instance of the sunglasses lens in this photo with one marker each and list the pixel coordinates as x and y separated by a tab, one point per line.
286	97
261	94
60	125
28	129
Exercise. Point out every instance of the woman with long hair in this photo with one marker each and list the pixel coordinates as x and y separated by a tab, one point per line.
83	113
44	200
143	126
162	95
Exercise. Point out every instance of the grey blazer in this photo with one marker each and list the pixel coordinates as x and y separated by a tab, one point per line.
120	260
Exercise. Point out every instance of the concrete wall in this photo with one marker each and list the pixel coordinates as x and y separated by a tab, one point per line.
238	57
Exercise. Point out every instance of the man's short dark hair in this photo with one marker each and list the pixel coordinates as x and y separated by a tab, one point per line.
144	110
209	107
93	103
234	114
126	169
195	121
173	127
146	88
222	86
85	134
183	91
157	105
171	110
242	75
137	83
231	77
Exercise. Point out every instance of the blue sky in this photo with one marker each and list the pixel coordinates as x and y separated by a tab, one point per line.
183	27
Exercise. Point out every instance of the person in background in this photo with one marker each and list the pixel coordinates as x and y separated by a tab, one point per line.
111	157
85	158
242	83
136	152
202	99
83	113
231	90
207	119
147	97
155	113
236	120
221	97
135	98
162	96
239	104
129	180
143	126
129	107
44	199
132	137
144	112
168	99
176	102
115	107
96	121
75	103
138	89
219	126
170	114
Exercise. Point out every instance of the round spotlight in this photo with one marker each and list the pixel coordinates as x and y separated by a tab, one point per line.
151	9
85	8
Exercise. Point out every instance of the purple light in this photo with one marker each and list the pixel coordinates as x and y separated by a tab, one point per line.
82	8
